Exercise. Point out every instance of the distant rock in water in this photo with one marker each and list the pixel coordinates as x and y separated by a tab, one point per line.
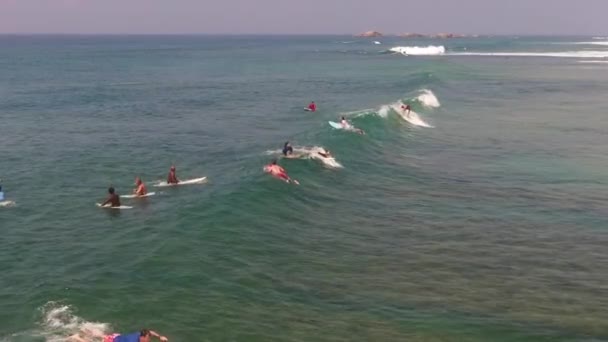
370	34
448	35
411	35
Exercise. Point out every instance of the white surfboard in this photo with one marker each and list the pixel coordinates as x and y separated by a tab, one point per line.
108	206
336	125
7	203
307	109
137	196
182	182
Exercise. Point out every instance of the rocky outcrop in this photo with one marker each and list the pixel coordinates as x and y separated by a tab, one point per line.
370	34
411	35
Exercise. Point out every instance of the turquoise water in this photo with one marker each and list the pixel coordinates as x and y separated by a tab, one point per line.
489	226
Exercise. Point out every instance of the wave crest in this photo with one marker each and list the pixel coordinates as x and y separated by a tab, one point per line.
428	99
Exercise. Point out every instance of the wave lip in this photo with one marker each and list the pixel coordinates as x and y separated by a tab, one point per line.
430	50
428	99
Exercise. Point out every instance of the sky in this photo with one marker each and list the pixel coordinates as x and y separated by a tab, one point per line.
558	17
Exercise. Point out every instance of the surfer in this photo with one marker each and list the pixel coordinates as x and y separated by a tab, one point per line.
1	193
113	198
172	177
346	125
141	187
287	149
312	107
406	108
143	336
325	153
274	169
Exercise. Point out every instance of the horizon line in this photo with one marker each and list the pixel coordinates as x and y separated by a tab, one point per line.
425	35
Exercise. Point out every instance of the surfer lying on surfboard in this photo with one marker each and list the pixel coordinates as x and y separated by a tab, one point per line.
142	336
278	172
141	187
172	177
113	198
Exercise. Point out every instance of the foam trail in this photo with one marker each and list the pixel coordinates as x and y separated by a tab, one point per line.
428	99
304	152
591	43
411	117
568	54
58	323
594	62
430	50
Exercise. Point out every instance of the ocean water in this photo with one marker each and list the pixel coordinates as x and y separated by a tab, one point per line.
489	225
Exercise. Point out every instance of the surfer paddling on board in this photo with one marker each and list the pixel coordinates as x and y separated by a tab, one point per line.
278	172
141	187
312	107
287	149
172	177
113	198
144	335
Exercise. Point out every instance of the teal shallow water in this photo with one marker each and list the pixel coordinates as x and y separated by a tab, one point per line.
489	226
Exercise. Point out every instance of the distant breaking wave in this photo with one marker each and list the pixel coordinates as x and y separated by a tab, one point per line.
567	54
430	50
440	50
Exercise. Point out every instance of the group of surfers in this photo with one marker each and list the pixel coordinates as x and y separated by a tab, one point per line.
279	172
113	198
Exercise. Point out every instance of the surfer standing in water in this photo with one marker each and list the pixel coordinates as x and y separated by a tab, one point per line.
143	336
172	177
287	149
141	187
113	198
312	107
279	172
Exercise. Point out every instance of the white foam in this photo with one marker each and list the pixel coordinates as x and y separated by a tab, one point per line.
411	117
304	152
430	50
58	323
600	38
7	204
428	99
377	42
566	54
591	43
594	62
384	110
